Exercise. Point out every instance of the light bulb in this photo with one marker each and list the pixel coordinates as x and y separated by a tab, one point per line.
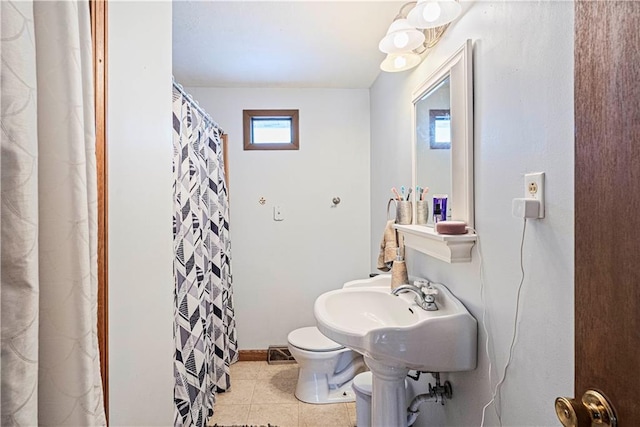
401	40
400	62
431	11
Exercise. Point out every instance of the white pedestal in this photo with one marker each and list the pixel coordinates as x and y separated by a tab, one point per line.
388	400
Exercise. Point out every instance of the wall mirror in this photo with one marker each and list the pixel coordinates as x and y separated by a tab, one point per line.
443	136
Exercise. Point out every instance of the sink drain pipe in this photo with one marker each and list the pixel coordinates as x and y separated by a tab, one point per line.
414	407
436	392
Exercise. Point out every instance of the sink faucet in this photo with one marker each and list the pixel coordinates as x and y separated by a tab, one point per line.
425	295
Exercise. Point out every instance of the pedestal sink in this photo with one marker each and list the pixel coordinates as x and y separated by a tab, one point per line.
396	335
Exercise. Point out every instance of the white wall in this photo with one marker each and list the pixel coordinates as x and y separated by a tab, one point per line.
523	78
280	268
140	211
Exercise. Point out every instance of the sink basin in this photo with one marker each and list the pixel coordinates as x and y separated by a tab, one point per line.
395	331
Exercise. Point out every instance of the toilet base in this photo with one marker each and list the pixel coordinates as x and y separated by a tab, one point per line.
313	389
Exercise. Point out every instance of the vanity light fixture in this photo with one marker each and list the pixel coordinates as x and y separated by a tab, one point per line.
432	14
401	37
395	62
418	27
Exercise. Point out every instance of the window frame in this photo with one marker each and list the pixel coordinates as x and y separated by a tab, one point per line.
247	118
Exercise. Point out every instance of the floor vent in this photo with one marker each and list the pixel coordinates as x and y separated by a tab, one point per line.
279	354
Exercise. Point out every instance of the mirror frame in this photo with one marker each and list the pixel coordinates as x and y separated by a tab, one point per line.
459	68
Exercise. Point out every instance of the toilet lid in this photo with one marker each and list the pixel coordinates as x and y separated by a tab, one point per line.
311	339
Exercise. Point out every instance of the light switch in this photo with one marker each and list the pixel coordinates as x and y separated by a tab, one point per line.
277	213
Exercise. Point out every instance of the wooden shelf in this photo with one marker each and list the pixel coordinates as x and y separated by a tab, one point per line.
448	248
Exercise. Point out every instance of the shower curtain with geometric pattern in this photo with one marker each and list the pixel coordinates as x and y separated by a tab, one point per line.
204	326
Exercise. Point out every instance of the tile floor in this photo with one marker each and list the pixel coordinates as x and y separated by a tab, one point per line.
261	394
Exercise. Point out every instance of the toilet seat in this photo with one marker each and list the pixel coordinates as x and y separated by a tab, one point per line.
311	339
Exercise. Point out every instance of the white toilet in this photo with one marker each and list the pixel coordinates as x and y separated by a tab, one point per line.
327	368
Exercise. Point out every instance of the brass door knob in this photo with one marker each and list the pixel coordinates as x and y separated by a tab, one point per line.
593	410
572	413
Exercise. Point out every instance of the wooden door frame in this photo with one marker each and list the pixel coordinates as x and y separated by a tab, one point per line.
99	37
225	158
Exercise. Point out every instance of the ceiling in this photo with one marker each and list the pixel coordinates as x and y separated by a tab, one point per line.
300	44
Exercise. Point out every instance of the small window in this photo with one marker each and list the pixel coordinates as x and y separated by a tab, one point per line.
439	129
271	129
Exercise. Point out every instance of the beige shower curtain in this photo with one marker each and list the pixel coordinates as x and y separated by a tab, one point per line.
50	365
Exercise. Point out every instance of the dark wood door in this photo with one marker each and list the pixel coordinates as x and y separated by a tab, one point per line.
607	203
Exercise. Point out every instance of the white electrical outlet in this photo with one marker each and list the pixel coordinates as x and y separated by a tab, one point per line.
278	215
534	189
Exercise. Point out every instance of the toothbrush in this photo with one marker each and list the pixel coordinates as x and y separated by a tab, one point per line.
409	193
402	191
424	193
394	191
419	192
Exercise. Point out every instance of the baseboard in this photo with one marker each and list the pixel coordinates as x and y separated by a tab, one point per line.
253	355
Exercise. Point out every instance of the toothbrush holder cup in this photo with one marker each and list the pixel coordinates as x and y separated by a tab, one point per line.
404	212
422	211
